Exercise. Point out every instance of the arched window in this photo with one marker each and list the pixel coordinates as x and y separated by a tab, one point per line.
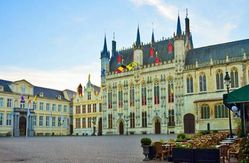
144	119
234	78
110	99
202	83
170	91
132	95
120	98
205	112
219	80
156	94
132	120
143	92
190	84
220	111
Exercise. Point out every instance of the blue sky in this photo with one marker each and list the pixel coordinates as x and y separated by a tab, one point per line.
57	43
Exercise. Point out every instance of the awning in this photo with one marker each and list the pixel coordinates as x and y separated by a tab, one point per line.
240	95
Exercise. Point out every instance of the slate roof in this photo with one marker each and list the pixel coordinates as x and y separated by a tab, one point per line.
47	92
218	52
5	85
161	47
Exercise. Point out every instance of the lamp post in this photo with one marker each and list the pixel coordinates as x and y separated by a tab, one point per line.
227	80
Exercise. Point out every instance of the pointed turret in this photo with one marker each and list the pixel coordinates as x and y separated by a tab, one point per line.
152	37
138	43
187	29
178	30
105	53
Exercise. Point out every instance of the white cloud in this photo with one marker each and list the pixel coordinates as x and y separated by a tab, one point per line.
65	78
165	9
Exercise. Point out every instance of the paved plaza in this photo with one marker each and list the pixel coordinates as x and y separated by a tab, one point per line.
88	149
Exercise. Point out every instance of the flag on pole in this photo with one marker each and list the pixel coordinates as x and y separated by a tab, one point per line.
22	99
131	65
35	98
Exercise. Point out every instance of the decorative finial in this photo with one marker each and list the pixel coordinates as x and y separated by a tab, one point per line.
89	76
186	12
113	35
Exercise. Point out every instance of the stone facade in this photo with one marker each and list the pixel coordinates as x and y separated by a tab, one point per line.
171	91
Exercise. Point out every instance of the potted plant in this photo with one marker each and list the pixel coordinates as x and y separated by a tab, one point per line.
145	143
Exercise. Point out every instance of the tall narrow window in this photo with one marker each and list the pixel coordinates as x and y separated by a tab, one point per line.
8	120
34	105
88	95
77	121
53	122
120	98
94	108
83	108
47	106
110	100
89	109
219	80
9	103
83	122
109	121
132	120
100	107
170	91
202	83
221	111
156	94
77	110
41	105
144	119
47	121
205	112
40	120
190	84
234	78
1	102
143	95
89	122
171	121
132	96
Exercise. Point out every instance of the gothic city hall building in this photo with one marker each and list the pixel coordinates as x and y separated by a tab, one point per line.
168	86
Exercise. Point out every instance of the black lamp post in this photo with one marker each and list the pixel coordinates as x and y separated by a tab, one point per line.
94	126
227	80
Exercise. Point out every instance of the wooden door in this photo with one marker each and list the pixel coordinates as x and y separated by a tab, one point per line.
100	127
189	124
157	127
22	126
121	128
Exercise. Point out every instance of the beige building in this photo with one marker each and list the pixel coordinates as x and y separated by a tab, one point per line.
87	110
32	110
175	87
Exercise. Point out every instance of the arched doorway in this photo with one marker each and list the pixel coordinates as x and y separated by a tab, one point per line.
22	126
100	127
121	128
157	127
189	123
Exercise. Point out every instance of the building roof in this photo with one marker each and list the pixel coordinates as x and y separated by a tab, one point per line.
47	92
161	47
218	52
5	85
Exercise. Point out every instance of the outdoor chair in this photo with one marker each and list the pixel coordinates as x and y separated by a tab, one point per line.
234	151
160	152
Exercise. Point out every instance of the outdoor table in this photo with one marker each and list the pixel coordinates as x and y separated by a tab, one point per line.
223	151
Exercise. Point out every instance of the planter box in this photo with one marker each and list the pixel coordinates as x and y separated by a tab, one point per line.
207	155
182	155
196	155
152	152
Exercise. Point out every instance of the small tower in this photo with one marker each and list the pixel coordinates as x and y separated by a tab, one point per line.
105	57
138	53
178	28
188	36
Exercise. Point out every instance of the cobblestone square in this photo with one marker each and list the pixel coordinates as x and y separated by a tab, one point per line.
85	149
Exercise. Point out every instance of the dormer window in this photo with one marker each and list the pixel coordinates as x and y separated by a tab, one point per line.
59	97
23	89
1	88
41	94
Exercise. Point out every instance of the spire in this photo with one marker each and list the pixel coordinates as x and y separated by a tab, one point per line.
152	37
178	30
187	30
105	45
105	53
138	43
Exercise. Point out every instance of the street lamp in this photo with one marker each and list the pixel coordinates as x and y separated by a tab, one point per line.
227	80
